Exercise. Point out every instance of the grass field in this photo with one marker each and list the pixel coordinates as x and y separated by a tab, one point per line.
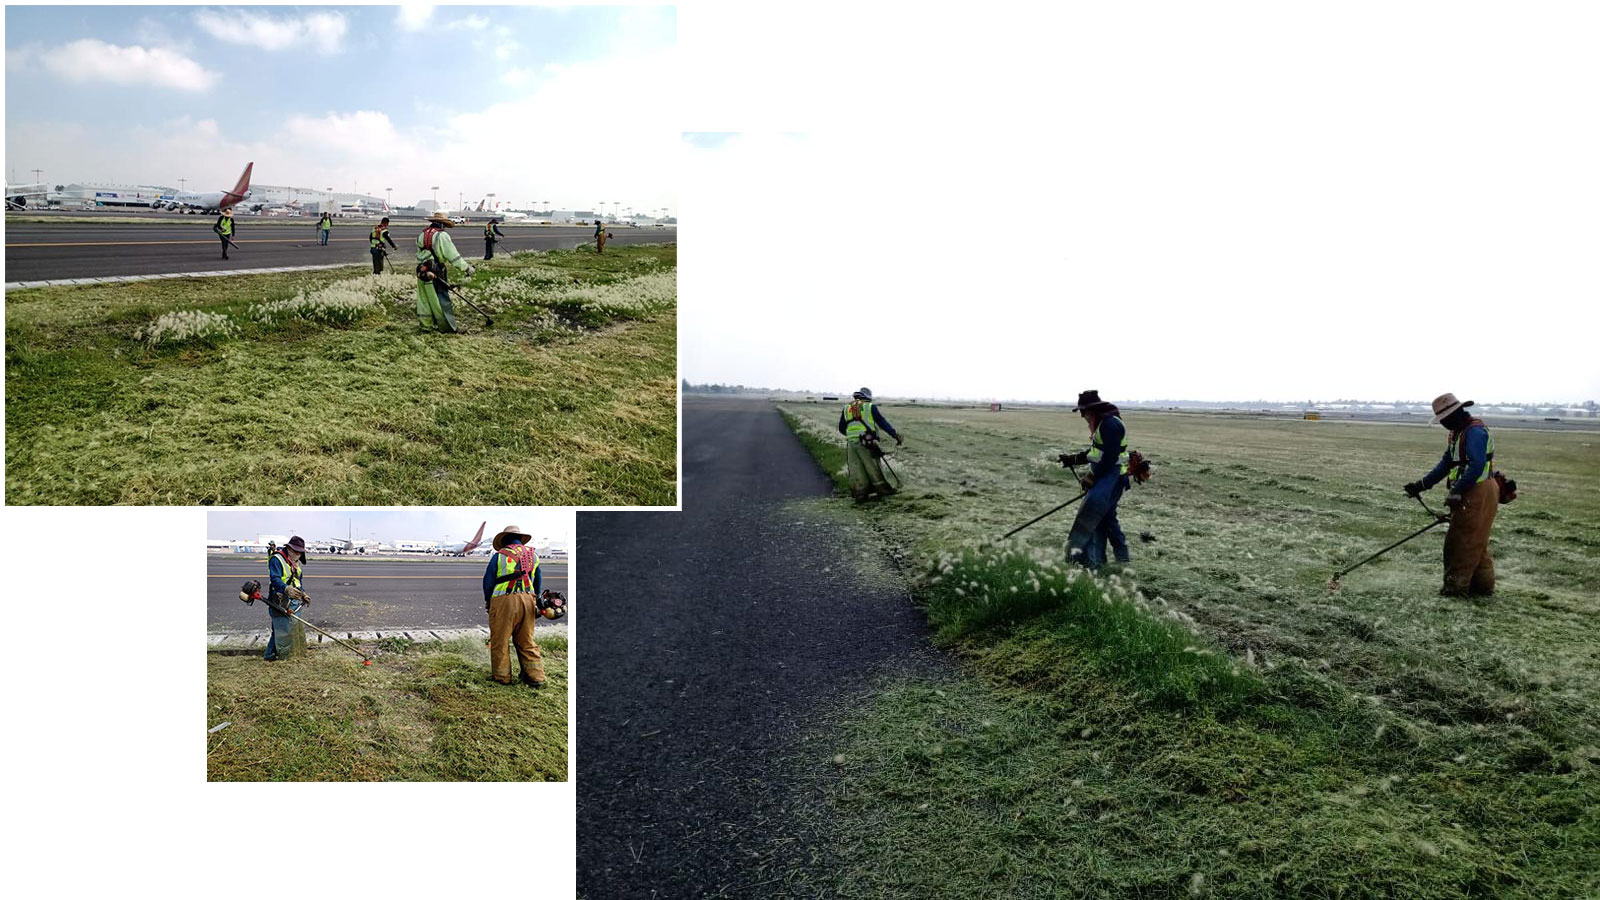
307	222
1211	720
319	388
428	712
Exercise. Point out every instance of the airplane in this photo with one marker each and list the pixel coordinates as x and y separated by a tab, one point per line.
18	196
511	215
463	549
210	201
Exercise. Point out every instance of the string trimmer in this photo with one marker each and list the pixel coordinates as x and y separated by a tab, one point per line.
456	291
1333	583
250	592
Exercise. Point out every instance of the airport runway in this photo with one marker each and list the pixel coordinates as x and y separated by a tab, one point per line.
356	594
40	252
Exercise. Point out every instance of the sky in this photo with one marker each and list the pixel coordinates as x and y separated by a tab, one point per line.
1183	201
450	524
555	104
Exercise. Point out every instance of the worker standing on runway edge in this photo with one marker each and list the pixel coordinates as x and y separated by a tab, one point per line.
511	595
284	570
224	229
859	423
435	254
1107	457
600	236
380	233
491	233
324	225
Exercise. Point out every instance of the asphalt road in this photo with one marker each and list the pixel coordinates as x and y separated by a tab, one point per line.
38	252
717	642
364	595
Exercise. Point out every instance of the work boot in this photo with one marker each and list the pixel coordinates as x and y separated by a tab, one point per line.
530	682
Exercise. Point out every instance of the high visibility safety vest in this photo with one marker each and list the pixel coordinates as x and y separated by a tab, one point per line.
326	224
291	571
857	419
488	231
376	237
1457	447
512	559
227	226
1097	449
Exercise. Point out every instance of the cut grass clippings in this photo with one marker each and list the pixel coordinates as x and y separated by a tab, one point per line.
426	712
317	393
1220	725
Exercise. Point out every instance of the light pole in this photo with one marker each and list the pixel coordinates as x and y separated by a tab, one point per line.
491	202
436	198
181	182
388	196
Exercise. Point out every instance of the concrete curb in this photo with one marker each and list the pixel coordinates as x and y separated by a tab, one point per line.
115	279
237	640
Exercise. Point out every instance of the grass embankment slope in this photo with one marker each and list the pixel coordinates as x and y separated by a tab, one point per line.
319	388
427	712
1211	720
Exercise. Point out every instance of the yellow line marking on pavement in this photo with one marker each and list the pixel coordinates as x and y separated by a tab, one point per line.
202	241
236	575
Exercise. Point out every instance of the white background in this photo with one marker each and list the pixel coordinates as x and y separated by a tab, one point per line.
1451	183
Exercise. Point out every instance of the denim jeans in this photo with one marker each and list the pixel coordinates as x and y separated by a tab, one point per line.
322	237
1096	524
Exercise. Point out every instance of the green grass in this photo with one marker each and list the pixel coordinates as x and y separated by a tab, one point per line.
569	399
1210	720
427	712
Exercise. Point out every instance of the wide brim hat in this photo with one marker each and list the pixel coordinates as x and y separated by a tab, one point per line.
1445	404
297	545
863	393
510	531
441	219
1089	401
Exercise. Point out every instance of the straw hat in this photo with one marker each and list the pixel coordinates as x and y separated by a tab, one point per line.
440	218
1445	404
511	531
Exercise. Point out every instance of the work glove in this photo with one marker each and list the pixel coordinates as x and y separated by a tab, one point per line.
1074	459
898	442
1087	480
1454	501
297	594
470	271
1415	489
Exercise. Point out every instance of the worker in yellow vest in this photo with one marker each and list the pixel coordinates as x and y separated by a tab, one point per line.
324	227
380	234
225	229
284	568
491	233
860	423
511	595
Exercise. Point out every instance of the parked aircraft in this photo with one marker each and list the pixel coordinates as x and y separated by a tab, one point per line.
209	201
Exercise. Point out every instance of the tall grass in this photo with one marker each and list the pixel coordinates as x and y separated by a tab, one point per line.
1128	636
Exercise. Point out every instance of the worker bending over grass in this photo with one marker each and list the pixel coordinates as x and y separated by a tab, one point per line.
284	571
436	253
859	423
1107	457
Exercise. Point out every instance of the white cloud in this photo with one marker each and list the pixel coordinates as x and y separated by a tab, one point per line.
516	77
364	133
504	51
89	60
323	30
414	16
544	139
472	22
